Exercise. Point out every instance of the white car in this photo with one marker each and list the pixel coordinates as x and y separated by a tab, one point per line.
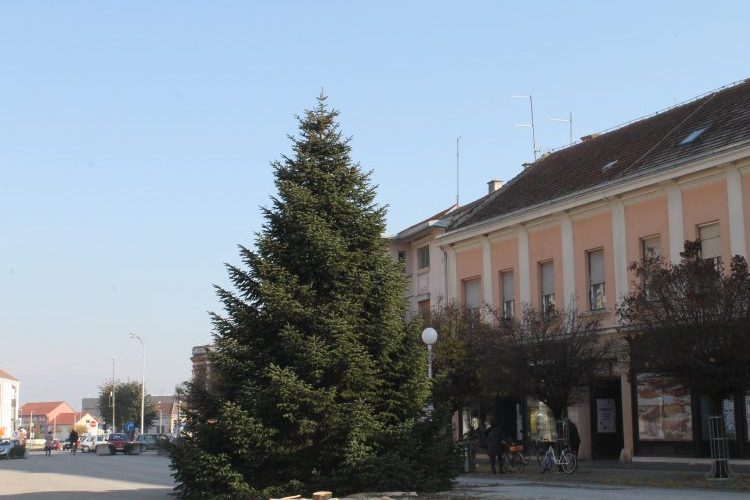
89	442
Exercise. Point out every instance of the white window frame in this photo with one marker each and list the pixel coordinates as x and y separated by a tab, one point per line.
703	228
423	257
546	300
508	304
472	281
597	281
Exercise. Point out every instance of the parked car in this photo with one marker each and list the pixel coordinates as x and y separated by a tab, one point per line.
150	440
7	447
89	443
66	444
118	442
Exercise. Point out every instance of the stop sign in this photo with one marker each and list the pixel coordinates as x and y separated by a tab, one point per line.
93	424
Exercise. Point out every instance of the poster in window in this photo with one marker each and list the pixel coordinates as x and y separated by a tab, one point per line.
664	412
606	422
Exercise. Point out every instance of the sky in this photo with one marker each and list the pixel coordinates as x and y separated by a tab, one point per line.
136	140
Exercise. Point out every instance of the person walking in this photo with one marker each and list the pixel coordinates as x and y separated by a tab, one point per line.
48	444
495	447
575	440
73	440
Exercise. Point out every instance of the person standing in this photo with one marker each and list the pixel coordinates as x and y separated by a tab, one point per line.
73	440
495	447
575	440
48	444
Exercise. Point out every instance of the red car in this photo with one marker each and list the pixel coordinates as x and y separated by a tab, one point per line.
118	442
56	445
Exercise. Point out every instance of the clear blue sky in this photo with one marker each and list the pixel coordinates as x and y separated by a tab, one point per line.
135	139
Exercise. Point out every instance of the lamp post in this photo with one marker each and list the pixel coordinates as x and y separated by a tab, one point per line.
143	376
429	337
161	426
114	426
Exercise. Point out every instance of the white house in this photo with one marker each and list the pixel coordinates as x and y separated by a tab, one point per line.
9	389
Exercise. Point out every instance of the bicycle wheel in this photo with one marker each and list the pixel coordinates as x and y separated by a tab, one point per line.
568	462
546	462
540	454
519	461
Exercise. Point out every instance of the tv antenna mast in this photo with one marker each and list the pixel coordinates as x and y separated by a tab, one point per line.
533	133
569	120
457	164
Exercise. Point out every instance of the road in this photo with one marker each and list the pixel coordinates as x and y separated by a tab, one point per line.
518	489
64	476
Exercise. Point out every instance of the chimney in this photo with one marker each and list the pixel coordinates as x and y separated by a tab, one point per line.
494	185
588	137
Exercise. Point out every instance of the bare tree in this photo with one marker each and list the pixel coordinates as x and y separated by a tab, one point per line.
691	321
551	354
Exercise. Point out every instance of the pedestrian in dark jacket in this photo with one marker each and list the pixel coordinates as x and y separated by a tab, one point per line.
575	440
495	447
73	440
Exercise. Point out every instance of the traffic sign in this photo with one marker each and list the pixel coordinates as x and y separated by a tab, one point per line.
129	426
93	424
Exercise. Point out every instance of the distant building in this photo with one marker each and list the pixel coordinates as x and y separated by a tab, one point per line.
201	365
91	405
41	417
9	390
167	414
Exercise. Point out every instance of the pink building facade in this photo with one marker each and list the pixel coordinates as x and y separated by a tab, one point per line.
565	230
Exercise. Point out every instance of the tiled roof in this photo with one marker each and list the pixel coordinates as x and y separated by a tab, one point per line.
7	376
641	147
43	408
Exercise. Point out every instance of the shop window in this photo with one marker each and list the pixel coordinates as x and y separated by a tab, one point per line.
509	294
547	285
541	421
423	257
596	279
663	409
473	295
710	242
727	413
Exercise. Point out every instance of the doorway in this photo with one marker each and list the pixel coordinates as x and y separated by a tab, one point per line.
606	420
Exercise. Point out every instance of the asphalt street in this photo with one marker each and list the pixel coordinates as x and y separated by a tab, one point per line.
64	476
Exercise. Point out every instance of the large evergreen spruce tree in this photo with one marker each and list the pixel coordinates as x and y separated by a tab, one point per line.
318	381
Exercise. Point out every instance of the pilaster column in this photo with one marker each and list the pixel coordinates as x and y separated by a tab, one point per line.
451	292
487	277
737	240
619	249
524	276
568	262
676	225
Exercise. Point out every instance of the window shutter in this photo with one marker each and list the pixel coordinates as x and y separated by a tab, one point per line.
710	241
472	294
596	267
548	278
509	292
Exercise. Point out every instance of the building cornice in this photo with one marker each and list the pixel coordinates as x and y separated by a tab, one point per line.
617	188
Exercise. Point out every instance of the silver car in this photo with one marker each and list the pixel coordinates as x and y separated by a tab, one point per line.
6	445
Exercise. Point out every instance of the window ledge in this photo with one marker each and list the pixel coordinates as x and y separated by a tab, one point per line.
596	312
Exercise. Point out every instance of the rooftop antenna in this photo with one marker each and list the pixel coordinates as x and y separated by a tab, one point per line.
533	134
569	120
457	165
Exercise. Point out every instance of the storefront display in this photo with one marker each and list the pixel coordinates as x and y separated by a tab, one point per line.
541	421
664	412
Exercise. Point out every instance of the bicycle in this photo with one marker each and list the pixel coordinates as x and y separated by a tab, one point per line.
566	461
514	459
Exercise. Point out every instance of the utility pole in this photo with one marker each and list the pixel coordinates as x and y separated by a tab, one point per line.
457	165
114	429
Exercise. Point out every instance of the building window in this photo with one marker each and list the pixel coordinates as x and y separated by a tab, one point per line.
423	257
509	293
651	249
547	281
710	242
596	279
664	409
473	295
402	256
424	310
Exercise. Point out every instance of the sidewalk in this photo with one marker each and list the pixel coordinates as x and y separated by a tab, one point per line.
657	473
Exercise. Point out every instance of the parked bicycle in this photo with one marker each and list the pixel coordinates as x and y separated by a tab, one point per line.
514	459
566	460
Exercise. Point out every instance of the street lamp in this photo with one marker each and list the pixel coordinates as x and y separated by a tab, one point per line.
114	426
160	416
429	337
143	376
